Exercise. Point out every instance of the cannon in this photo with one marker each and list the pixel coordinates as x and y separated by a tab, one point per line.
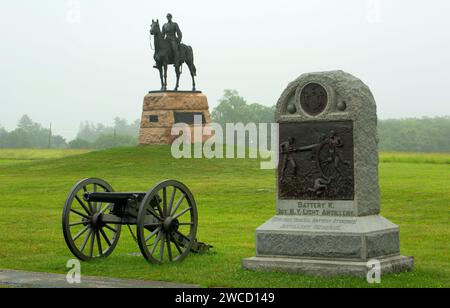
165	218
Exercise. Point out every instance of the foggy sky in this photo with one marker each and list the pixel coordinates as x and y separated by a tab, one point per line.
58	70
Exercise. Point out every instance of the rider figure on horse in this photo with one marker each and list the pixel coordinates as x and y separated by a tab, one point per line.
169	50
172	34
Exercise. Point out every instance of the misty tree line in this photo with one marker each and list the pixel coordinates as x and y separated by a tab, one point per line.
415	135
100	136
29	134
410	135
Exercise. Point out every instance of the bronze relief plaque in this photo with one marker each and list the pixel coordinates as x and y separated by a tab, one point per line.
188	117
316	161
313	99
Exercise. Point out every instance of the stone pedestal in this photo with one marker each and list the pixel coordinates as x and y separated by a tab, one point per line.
328	246
328	268
328	202
161	110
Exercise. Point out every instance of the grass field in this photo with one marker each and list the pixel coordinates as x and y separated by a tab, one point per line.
234	197
16	156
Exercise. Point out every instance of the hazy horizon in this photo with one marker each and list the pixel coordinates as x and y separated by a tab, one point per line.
62	69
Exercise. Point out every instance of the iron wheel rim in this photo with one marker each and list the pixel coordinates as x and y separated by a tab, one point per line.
168	243
100	240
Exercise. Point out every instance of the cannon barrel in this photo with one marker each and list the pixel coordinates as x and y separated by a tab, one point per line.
113	197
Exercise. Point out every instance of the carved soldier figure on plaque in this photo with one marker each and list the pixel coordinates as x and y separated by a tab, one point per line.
336	158
320	186
287	149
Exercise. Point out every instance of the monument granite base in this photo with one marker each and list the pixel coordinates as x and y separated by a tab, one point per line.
327	268
328	246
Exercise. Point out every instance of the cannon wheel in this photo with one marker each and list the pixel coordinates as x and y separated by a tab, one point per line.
85	234
172	208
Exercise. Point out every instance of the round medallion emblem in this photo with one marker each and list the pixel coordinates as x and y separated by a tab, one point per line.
313	99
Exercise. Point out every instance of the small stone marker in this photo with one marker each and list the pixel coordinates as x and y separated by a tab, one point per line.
328	197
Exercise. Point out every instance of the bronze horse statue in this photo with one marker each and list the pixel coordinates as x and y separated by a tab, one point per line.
163	57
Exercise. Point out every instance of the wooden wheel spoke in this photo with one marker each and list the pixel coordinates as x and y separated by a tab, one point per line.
155	244
80	233
169	249
83	245
177	246
77	223
83	205
178	204
158	207
152	212
105	237
182	212
91	247
172	199
161	249
99	243
152	234
181	235
79	213
164	213
108	206
186	223
110	228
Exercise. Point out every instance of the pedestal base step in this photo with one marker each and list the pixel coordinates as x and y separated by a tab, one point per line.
389	265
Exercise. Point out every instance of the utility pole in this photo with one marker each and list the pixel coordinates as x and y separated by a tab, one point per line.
114	139
50	136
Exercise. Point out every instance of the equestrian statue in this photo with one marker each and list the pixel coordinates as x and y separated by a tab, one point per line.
169	50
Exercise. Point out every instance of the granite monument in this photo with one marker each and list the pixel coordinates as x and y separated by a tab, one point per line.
328	198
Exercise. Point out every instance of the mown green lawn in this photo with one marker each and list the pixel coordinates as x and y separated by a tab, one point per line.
234	197
16	156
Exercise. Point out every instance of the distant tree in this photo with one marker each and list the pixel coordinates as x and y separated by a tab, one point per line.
261	114
91	132
87	132
415	134
3	136
80	144
29	134
114	140
122	127
233	108
58	142
26	124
